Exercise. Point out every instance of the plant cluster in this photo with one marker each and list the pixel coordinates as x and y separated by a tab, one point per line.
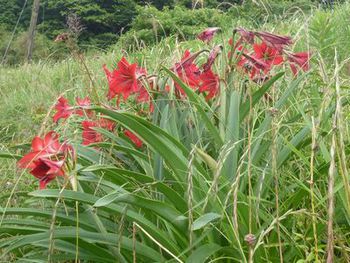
178	165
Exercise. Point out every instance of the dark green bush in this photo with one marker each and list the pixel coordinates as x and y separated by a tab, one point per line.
151	24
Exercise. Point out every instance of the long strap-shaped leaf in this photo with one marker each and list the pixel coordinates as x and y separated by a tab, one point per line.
200	106
244	109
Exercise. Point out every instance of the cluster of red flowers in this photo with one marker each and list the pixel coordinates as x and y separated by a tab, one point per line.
201	78
269	52
47	158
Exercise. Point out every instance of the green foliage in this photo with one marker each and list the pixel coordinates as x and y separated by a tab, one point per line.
207	172
151	24
330	32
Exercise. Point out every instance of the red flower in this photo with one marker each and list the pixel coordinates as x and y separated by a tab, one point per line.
64	110
187	71
269	55
46	159
255	65
210	83
106	124
273	40
301	59
89	134
125	80
83	104
46	171
208	34
138	143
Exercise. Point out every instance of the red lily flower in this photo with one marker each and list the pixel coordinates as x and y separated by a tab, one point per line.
208	34
89	134
46	159
269	55
301	59
64	110
46	171
138	143
42	148
210	83
275	41
125	80
187	71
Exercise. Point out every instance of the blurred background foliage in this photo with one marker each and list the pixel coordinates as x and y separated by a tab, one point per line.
132	22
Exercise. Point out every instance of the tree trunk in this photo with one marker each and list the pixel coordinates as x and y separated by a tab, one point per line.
32	27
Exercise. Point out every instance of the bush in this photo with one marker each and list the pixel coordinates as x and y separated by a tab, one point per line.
151	24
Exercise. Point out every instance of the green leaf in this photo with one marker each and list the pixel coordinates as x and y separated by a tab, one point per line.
244	109
107	199
204	220
201	254
200	106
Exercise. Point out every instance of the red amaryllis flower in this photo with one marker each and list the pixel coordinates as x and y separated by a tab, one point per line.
276	41
106	124
208	34
42	148
125	80
89	134
46	159
187	71
83	104
300	59
210	84
64	110
212	56
255	65
138	143
269	55
46	170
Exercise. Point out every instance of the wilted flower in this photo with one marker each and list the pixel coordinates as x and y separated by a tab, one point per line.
208	34
275	41
246	35
46	159
212	56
